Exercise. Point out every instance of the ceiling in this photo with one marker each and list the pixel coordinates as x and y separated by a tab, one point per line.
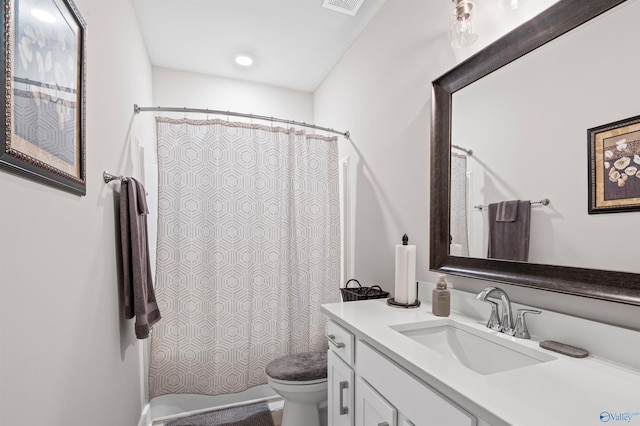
295	43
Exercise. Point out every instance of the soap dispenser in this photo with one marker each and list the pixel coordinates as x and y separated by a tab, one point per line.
441	299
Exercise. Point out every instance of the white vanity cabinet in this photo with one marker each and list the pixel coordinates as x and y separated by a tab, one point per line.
416	402
340	376
428	387
368	389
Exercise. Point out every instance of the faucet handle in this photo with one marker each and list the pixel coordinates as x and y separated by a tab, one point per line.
494	319
521	330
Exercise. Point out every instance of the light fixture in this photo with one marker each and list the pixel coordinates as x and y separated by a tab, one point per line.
43	16
244	60
460	24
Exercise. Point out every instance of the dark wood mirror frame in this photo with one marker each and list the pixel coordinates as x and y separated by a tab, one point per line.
560	18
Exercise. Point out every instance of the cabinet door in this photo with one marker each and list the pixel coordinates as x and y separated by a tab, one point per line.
371	408
340	392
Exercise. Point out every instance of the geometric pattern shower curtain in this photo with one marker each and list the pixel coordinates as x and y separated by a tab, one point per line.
459	209
248	250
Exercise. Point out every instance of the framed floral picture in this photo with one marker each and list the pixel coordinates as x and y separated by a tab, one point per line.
614	167
44	93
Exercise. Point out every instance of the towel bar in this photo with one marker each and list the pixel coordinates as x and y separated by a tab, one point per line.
108	177
543	202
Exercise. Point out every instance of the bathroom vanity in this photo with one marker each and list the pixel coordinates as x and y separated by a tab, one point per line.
404	367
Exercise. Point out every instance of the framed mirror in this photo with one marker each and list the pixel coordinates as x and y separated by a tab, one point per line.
486	72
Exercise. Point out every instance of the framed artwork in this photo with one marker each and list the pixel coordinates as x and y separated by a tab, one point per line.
614	167
44	93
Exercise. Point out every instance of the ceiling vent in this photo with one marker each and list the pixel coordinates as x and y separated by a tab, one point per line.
349	7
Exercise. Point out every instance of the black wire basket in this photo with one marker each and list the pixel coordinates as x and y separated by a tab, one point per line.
350	294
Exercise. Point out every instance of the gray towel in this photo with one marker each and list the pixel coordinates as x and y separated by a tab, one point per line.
507	211
139	296
510	240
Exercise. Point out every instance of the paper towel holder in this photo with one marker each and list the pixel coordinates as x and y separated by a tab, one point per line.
392	302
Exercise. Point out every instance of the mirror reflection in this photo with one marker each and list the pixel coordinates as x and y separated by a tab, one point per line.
526	125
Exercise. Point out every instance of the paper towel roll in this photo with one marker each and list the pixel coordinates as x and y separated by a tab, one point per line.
405	289
412	287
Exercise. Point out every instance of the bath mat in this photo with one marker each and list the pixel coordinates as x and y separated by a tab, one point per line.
257	414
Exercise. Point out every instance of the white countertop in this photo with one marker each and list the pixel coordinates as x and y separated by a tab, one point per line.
566	391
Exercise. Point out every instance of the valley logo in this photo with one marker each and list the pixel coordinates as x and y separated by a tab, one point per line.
607	416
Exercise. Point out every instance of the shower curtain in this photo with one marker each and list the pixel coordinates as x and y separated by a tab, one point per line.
248	249
459	209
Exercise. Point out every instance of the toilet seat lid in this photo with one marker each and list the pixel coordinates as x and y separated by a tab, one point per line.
302	367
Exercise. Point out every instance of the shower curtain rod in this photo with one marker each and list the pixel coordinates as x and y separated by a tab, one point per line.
137	110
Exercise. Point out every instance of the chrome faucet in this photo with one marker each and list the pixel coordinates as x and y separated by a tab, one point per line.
497	323
521	330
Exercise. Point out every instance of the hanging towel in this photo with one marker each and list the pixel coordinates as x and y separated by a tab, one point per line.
509	240
139	297
507	211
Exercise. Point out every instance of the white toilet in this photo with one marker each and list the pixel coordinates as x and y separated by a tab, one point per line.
301	379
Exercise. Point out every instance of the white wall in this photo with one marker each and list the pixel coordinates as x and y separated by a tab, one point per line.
68	357
172	88
380	91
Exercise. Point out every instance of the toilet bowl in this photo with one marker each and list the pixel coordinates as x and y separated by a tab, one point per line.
301	379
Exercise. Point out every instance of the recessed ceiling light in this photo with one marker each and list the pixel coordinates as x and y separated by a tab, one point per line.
43	16
244	60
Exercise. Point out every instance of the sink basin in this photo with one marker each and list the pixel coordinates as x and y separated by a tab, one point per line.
482	351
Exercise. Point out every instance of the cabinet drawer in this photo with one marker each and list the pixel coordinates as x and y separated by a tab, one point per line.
340	342
413	398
